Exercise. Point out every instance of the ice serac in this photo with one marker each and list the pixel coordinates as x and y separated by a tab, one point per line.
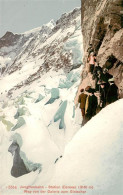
70	79
21	164
60	115
54	95
21	111
40	97
18	168
19	124
8	124
102	25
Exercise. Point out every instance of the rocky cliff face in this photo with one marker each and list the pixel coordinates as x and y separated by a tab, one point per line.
102	22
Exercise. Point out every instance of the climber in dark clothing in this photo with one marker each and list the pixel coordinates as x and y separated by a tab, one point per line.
82	101
102	77
91	105
90	49
94	104
97	76
112	93
105	76
96	69
103	93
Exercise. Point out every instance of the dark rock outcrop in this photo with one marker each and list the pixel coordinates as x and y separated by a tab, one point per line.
102	25
9	39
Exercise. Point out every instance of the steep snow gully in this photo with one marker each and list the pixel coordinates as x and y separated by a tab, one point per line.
43	148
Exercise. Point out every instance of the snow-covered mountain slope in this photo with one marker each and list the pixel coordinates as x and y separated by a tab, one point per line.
40	76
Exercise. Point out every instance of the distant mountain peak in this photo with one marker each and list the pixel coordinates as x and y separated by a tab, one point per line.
8	35
51	24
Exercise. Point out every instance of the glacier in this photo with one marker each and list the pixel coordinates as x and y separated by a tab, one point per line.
54	95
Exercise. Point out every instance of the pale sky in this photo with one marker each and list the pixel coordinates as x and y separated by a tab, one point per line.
19	16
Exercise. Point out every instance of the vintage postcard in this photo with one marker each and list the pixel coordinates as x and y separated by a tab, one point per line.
61	90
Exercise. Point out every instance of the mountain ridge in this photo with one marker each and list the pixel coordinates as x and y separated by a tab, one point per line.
42	45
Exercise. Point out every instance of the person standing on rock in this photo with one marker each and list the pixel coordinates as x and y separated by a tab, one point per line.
103	93
91	60
105	75
112	94
90	49
91	104
97	75
82	101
